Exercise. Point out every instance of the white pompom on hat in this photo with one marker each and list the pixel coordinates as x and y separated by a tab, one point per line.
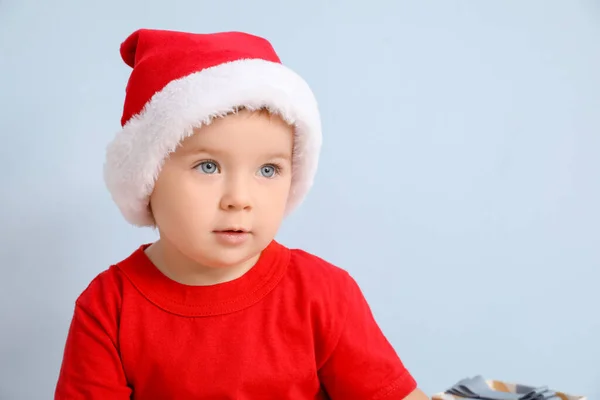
181	81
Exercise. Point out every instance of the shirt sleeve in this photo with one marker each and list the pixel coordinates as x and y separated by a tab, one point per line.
363	365
91	367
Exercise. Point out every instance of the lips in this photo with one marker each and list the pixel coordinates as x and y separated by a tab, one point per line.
232	230
232	236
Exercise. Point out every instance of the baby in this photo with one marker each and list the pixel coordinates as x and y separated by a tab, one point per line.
220	142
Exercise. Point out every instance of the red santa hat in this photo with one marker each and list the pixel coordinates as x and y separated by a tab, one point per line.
183	80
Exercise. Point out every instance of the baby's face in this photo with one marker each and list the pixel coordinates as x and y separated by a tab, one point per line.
220	197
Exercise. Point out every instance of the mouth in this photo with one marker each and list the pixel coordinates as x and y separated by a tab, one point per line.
232	236
232	230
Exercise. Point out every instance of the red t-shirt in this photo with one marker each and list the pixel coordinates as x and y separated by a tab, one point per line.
293	327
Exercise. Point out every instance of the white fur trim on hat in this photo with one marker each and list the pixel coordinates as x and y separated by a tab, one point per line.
137	153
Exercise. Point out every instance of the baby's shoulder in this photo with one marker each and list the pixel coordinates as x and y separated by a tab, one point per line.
105	287
111	284
319	275
311	263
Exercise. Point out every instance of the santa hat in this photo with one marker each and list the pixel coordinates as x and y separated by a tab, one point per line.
183	80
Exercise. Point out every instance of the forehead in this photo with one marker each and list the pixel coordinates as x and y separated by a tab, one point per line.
245	132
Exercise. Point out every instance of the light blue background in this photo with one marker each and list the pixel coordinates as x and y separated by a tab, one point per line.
459	180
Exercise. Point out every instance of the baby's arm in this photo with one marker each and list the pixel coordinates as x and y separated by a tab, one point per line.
363	364
91	367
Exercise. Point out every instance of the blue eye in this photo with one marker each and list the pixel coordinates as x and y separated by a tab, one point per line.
268	171
208	167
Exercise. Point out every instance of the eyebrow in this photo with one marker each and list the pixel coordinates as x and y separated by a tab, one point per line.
200	150
282	156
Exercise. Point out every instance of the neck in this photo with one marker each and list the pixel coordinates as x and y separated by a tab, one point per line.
180	268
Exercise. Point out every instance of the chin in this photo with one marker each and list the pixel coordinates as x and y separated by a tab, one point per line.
228	257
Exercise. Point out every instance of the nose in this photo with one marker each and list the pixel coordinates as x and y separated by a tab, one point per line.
236	195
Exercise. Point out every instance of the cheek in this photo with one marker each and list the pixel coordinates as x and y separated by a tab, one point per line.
274	199
181	202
